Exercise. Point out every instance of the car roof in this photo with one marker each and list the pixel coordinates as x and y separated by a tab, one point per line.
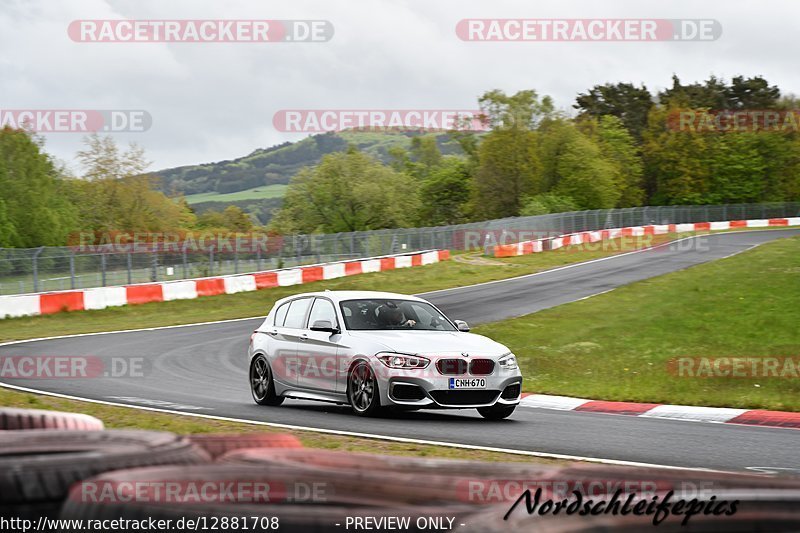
339	296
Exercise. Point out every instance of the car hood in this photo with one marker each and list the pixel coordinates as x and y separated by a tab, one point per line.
433	342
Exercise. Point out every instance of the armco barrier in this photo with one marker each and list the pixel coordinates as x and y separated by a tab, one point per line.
102	297
554	243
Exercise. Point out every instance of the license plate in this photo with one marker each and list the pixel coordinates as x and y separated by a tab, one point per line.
467	383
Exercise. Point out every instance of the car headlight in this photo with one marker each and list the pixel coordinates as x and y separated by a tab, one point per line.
508	362
396	360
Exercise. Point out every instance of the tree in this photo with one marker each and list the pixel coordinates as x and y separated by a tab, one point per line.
103	160
712	94
752	93
628	103
236	219
523	110
34	211
715	94
114	195
585	176
542	204
676	166
347	192
8	231
619	148
445	194
508	169
425	151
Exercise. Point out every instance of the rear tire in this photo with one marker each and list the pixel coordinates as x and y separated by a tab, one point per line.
497	411
261	384
362	390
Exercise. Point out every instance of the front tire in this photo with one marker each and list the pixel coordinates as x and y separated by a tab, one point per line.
497	411
261	384
362	390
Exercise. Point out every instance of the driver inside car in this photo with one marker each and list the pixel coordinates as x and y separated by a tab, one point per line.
389	314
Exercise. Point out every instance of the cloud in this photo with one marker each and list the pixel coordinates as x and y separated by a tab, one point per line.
215	101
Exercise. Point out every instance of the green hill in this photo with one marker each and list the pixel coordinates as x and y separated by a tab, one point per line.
255	174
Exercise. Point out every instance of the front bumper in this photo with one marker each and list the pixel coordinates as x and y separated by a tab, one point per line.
404	388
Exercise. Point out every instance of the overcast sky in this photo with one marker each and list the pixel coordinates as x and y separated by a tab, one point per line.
214	101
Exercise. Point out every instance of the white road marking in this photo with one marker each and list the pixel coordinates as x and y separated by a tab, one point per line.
545	455
160	403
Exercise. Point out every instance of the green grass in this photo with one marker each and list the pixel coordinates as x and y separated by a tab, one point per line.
247	304
616	346
256	193
128	418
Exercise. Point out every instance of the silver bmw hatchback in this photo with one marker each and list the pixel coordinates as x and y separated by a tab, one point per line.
378	350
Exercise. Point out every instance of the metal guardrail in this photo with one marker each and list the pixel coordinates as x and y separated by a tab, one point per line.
62	268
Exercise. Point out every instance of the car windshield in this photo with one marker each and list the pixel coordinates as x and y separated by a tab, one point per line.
386	314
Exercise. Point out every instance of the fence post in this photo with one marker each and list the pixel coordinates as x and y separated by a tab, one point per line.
103	268
36	268
258	258
72	270
185	261
236	260
154	267
211	260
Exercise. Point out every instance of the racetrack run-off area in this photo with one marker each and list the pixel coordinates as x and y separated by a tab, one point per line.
184	360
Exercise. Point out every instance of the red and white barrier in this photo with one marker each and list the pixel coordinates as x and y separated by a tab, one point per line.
554	243
725	415
102	297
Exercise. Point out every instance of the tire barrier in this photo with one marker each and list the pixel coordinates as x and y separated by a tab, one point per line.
315	459
274	483
314	501
15	419
37	467
217	444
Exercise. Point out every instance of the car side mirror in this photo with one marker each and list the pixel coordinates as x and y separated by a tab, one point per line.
324	325
461	325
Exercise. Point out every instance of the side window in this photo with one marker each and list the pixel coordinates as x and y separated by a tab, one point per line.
295	317
280	314
322	310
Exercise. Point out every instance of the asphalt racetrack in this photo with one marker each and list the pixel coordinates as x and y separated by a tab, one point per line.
202	369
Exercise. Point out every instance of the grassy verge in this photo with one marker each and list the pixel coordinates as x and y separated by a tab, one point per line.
127	418
616	346
410	280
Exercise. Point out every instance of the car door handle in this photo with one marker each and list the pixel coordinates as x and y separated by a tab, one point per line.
304	337
273	332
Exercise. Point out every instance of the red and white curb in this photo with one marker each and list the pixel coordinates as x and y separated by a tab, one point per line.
724	415
101	297
540	245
